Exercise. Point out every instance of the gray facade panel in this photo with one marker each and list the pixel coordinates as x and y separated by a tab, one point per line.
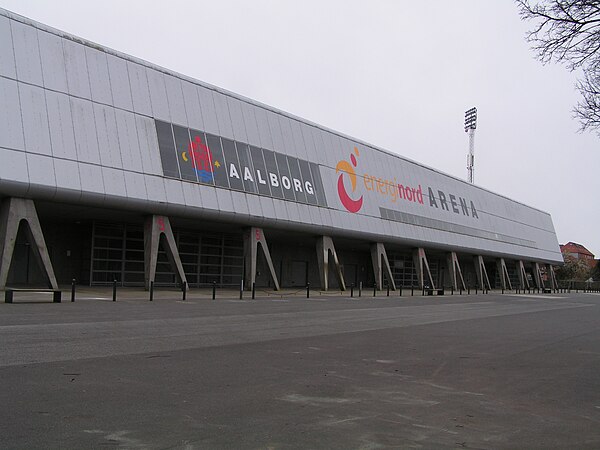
254	206
223	117
27	53
84	125
99	76
208	197
67	174
119	82
41	170
240	204
155	189
275	128
114	182
60	120
191	195
192	105
108	136
78	80
250	124
140	92
13	170
150	155
35	119
237	119
264	131
225	201
207	106
53	62
129	142
158	95
175	100
7	55
91	178
135	185
174	192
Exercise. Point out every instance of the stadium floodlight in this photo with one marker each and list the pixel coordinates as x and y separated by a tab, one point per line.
470	126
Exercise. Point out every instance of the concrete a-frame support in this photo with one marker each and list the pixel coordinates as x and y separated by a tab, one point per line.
324	248
252	237
482	276
379	258
537	276
455	271
523	281
422	267
551	276
12	212
156	227
503	272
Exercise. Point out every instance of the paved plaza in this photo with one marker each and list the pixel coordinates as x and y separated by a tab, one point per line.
286	372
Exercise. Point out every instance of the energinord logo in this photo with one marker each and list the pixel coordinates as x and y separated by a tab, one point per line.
346	168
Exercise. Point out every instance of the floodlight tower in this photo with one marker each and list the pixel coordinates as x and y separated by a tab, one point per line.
470	125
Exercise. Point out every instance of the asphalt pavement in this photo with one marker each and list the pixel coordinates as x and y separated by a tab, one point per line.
286	372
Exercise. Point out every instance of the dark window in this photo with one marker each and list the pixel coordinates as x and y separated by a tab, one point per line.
184	153
309	185
246	170
273	177
285	178
260	171
218	163
297	182
233	165
166	147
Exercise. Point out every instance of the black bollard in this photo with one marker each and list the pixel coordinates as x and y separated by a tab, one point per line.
352	290
214	294
412	290
475	290
184	290
375	290
388	289
253	290
468	290
73	290
241	289
400	291
151	290
307	290
114	290
502	291
360	289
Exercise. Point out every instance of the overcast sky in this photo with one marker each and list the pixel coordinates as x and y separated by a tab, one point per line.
397	74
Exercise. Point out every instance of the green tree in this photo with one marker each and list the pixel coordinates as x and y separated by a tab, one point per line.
573	269
568	32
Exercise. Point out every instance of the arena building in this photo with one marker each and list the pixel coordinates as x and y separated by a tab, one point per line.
112	168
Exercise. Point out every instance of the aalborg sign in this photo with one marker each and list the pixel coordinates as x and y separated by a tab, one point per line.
394	191
193	155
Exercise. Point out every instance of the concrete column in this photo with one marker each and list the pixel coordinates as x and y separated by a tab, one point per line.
482	276
379	258
537	276
523	281
324	248
503	271
155	228
252	237
422	267
13	212
551	276
455	271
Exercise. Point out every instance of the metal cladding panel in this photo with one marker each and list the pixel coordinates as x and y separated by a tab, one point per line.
225	201
309	142
108	140
208	197
67	174
35	119
158	95
150	155
135	186
155	188
53	62
288	136
114	182
119	82
41	170
250	123
7	55
323	147
27	53
11	127
84	126
264	131
128	141
268	206
207	106
140	92
99	76
13	167
91	178
298	140
240	204
275	128
254	206
176	101
293	212
223	117
192	105
60	120
237	119
281	212
174	191
191	195
78	80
